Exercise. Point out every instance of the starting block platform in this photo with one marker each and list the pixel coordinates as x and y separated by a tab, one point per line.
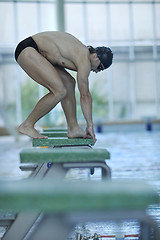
56	155
54	134
61	141
54	130
65	158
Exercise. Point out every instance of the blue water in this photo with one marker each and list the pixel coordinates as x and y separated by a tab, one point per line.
133	155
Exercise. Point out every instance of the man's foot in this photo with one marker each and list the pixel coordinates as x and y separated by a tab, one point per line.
76	133
30	131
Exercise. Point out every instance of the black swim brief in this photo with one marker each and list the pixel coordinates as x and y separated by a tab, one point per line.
28	42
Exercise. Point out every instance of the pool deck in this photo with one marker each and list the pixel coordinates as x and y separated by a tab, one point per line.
9	157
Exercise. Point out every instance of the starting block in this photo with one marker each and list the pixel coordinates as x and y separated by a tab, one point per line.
61	205
65	158
54	130
61	142
54	134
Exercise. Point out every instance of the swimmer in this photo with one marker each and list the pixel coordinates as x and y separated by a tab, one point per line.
45	57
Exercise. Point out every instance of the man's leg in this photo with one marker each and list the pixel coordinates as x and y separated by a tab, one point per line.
41	71
44	106
69	105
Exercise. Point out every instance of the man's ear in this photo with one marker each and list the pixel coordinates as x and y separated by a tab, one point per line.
94	55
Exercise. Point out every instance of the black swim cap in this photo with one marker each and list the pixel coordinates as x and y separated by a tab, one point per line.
105	55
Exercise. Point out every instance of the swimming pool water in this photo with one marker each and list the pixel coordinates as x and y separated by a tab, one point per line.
134	155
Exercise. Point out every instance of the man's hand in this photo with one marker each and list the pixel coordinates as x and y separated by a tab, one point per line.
90	133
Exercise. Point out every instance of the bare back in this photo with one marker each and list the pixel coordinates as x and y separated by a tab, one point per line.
61	49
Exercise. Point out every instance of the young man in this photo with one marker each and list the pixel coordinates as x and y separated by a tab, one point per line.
44	57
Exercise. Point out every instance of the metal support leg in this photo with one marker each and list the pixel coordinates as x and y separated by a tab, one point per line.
20	226
52	227
56	170
106	172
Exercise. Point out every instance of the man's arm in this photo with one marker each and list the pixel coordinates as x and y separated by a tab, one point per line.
86	98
